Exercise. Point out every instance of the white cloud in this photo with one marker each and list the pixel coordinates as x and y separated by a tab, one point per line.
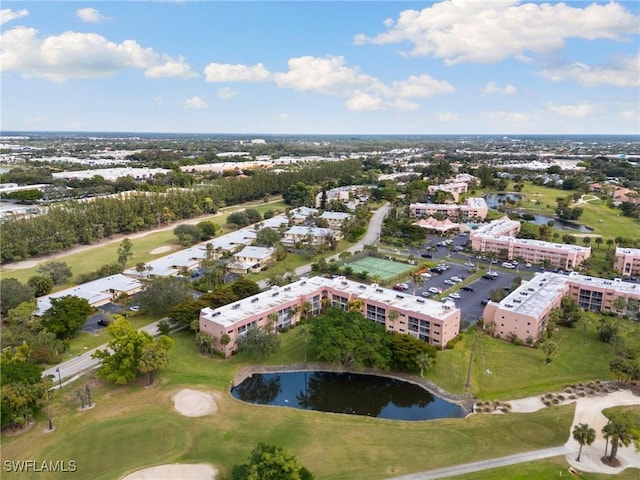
332	76
327	75
171	68
580	110
421	86
485	31
7	15
78	55
90	15
195	103
632	115
226	72
361	101
282	117
226	93
491	88
624	72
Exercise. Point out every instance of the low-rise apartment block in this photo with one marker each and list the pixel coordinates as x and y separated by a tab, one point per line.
525	311
628	261
317	235
252	259
472	208
498	239
431	321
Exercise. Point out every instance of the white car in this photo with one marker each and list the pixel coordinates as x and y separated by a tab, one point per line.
528	265
449	282
469	264
435	290
425	275
508	265
454	295
134	308
456	279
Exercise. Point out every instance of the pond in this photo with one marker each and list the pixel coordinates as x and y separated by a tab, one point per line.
560	224
494	200
348	393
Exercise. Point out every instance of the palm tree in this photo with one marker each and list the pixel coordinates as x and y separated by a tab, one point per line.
609	243
620	431
141	267
598	241
584	435
416	278
425	361
355	305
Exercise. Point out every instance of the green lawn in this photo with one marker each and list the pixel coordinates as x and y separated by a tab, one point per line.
520	371
94	258
133	426
543	470
332	446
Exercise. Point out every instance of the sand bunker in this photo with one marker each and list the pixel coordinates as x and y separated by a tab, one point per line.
158	250
175	471
192	403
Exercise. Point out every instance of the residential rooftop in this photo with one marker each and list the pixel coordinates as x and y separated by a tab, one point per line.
229	314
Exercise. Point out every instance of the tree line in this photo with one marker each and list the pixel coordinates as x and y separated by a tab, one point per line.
84	222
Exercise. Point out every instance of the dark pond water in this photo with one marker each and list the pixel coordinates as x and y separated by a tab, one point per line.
560	224
353	394
496	199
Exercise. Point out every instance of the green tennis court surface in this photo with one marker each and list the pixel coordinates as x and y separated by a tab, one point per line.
385	269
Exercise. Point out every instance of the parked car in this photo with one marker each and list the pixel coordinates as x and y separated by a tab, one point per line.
484	301
454	295
427	255
103	322
425	275
449	282
488	277
456	279
134	308
435	270
528	265
469	264
401	287
467	288
435	290
508	265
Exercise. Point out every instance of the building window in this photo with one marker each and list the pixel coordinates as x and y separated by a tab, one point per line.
377	314
340	302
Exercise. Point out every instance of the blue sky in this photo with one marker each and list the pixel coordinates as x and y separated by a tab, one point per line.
381	67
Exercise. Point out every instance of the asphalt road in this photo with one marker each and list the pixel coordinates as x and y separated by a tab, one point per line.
84	362
71	368
487	464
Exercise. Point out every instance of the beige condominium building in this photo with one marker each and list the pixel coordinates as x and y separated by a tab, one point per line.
471	208
525	311
498	238
435	323
628	261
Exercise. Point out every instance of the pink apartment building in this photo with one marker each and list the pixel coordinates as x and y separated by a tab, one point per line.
628	261
498	238
525	311
433	322
471	208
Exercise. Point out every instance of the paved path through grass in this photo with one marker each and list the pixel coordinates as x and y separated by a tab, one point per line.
487	464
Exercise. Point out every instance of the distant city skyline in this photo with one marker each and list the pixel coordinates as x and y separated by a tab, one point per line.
354	67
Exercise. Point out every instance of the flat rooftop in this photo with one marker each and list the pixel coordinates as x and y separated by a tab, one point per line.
266	301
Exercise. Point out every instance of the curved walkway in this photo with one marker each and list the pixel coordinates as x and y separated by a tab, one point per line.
588	410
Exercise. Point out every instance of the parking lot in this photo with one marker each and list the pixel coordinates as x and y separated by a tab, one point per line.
459	265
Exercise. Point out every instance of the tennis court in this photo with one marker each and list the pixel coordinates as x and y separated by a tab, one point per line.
385	269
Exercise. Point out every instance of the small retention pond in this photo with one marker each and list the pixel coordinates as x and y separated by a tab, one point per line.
349	393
